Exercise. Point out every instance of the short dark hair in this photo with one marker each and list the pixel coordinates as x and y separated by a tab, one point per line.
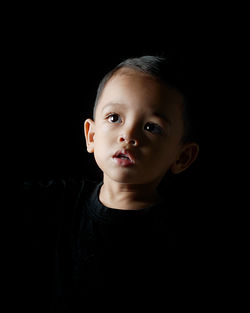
165	71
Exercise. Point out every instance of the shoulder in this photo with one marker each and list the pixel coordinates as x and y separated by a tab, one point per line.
50	184
67	186
53	198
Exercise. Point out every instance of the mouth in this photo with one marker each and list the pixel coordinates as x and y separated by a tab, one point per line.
124	158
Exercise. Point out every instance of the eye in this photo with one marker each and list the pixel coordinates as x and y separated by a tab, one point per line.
114	118
153	128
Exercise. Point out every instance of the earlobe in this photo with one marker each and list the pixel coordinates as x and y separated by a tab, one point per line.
186	157
89	132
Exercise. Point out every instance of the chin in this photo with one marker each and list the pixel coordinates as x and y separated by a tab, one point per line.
128	178
125	178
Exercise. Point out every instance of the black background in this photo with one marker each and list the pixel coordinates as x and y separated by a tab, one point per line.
55	59
58	72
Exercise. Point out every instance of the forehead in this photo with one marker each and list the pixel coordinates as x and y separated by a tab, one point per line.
139	90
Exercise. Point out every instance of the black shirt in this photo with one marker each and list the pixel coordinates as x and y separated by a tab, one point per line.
78	249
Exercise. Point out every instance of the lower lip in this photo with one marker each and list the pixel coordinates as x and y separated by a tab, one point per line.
123	162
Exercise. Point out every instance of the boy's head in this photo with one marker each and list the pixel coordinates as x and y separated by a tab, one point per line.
141	127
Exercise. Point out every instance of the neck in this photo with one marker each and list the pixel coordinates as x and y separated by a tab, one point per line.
128	196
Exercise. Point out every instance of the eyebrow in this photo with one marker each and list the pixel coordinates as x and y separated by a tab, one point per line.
112	104
163	117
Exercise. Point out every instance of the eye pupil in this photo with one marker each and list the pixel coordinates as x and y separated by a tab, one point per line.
149	127
155	129
113	118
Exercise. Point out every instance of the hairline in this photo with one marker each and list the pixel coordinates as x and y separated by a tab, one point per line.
120	70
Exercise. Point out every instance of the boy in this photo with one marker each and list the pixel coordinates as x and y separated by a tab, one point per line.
122	236
138	133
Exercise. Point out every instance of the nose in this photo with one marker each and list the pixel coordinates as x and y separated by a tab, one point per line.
130	133
127	139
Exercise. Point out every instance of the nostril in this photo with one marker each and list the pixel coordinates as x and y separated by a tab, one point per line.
131	141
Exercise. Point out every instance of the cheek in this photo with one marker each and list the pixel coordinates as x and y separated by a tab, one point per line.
103	135
165	153
106	134
103	142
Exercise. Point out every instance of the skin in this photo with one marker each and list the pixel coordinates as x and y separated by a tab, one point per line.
127	117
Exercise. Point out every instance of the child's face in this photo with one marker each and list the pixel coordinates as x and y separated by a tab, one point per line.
142	116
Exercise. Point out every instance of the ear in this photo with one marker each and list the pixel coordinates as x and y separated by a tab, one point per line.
89	132
187	155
